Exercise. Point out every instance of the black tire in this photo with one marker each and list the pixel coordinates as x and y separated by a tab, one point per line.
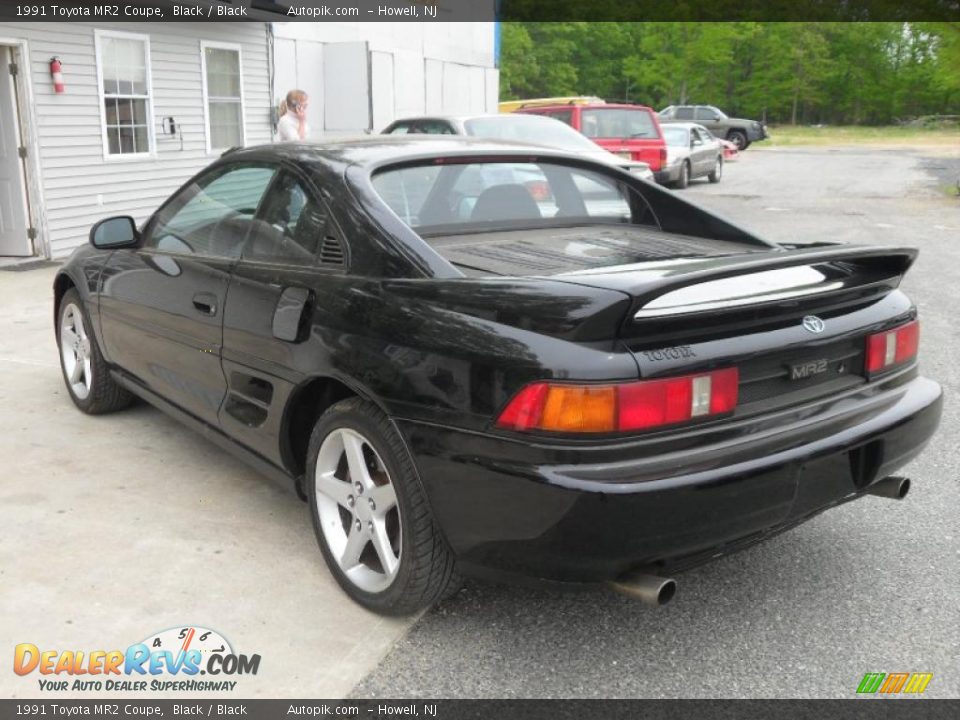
104	395
428	573
738	138
684	178
717	173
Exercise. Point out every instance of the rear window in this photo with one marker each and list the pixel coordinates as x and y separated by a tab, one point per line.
618	123
473	197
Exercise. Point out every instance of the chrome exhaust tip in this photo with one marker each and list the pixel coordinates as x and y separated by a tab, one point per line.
649	589
895	487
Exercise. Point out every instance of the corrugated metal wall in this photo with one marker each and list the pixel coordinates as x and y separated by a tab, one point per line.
74	171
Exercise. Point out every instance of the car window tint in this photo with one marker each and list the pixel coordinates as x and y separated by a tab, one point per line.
476	195
675	135
405	192
434	127
617	123
565	116
399	129
703	114
289	226
214	215
684	113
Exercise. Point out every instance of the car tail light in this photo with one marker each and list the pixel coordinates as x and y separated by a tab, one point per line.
894	347
663	156
621	407
539	190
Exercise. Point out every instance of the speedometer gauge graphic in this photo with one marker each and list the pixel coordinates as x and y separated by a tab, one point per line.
183	639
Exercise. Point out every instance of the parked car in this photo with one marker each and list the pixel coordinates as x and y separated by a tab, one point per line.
692	152
592	380
737	130
521	128
631	131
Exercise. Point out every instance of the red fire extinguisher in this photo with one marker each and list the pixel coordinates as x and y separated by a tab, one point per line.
57	75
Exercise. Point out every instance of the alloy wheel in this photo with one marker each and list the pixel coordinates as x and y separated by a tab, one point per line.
358	511
75	351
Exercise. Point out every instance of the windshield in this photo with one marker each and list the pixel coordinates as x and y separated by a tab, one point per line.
618	123
676	136
479	196
528	128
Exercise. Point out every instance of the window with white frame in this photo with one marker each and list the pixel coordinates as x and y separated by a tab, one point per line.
123	62
223	90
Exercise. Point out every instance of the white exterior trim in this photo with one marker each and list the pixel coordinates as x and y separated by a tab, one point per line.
37	213
151	140
204	44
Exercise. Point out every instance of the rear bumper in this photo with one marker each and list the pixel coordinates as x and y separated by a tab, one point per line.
668	175
589	513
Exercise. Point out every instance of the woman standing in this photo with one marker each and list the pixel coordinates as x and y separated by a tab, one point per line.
293	117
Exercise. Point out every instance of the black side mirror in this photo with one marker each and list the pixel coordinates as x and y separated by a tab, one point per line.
115	232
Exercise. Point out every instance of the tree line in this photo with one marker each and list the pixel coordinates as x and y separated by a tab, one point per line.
799	73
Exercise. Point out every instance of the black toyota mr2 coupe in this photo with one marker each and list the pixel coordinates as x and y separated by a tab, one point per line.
481	358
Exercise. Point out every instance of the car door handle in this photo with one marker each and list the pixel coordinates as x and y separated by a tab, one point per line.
205	303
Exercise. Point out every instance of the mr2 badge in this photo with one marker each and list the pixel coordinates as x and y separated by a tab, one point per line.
808	369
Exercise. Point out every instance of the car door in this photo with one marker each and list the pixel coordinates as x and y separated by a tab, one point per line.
161	304
273	294
706	116
699	153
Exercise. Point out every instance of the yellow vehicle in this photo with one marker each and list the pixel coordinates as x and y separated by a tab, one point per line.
510	106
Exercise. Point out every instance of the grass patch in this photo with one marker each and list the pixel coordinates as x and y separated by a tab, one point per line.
787	135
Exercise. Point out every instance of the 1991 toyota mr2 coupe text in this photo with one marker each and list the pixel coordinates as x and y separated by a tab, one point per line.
472	357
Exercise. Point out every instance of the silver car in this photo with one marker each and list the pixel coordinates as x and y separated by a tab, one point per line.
534	129
692	152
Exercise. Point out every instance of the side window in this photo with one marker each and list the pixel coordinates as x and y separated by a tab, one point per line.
434	127
684	113
214	215
290	225
565	116
402	128
703	114
695	136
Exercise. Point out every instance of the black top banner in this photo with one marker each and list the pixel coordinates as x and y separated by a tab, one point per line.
479	10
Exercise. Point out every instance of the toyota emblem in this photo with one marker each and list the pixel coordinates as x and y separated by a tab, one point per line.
813	324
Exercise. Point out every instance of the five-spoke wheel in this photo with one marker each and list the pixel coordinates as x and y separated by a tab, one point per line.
75	351
358	510
370	514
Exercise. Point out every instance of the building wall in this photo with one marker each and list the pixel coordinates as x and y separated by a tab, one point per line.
410	68
80	186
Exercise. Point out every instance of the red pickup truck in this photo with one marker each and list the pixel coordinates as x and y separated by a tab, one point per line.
631	131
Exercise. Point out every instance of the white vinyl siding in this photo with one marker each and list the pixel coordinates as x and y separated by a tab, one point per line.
223	95
80	186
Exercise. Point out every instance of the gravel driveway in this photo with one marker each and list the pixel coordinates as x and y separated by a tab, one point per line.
868	587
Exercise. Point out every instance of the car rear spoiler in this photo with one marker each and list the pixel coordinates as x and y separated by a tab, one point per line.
867	267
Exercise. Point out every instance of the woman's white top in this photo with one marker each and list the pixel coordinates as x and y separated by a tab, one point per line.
288	128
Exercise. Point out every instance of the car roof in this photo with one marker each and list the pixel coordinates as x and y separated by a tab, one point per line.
476	116
374	150
588	106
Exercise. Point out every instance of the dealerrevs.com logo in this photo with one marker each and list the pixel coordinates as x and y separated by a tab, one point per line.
171	660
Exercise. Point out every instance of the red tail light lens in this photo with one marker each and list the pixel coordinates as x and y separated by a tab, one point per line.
895	347
620	407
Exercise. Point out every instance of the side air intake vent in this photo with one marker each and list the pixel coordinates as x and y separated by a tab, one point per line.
331	252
